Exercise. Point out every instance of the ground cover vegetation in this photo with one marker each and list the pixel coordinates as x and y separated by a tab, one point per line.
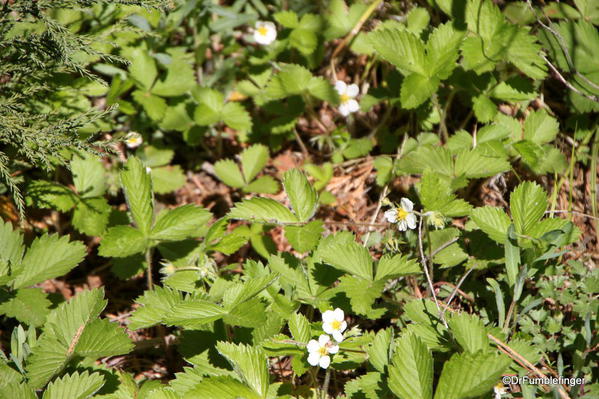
299	199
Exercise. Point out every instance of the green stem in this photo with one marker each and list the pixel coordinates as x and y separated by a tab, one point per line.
325	385
149	253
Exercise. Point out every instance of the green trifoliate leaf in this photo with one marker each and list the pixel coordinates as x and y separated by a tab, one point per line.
540	128
304	238
228	171
28	305
469	332
349	257
75	386
493	221
249	363
179	79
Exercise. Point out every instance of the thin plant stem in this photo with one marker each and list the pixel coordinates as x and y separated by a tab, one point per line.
456	289
325	385
149	253
428	277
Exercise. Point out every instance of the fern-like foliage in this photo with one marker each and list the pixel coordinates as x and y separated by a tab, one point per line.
37	55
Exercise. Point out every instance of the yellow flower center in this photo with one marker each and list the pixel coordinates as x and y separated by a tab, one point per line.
344	98
335	324
323	351
402	214
263	30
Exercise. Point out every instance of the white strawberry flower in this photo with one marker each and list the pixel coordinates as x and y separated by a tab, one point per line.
318	351
133	140
333	323
347	95
499	390
265	32
403	216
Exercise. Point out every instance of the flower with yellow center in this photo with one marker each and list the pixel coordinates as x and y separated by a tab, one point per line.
265	32
347	94
318	351
333	323
499	390
403	216
133	140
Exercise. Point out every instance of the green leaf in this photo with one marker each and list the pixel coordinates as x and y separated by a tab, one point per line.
395	266
167	179
442	50
137	185
193	312
262	210
228	171
341	19
303	197
299	327
348	257
411	373
291	80
320	88
362	295
28	305
122	241
49	256
179	79
180	223
540	128
304	40
484	108
401	48
528	203
155	305
416	89
210	108
142	68
288	19
221	388
91	216
468	375
154	106
45	194
236	117
253	160
250	364
263	185
74	386
470	332
379	351
243	292
417	20
493	221
103	338
304	238
11	243
88	176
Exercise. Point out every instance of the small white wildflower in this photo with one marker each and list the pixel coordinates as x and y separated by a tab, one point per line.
133	140
347	95
265	32
148	170
318	351
403	216
333	323
499	390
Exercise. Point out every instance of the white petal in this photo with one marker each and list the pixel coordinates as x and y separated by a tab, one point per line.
313	346
341	87
323	339
333	349
407	205
343	326
344	109
391	215
324	362
353	106
328	316
314	358
338	337
402	225
411	220
327	328
339	315
352	90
